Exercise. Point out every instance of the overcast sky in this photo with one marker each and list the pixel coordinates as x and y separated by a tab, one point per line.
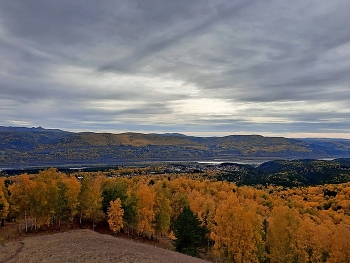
199	67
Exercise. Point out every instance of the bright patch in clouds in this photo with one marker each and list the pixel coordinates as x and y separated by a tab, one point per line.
205	107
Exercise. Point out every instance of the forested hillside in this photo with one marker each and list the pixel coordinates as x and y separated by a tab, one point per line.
291	173
38	146
234	224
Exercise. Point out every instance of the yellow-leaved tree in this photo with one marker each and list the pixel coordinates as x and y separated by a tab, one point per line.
340	244
313	241
115	215
90	200
4	204
46	196
282	235
235	232
71	196
22	199
162	216
145	208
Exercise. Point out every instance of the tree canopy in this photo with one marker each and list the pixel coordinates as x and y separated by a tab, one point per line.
189	232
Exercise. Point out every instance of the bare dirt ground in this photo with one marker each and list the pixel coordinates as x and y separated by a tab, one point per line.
85	246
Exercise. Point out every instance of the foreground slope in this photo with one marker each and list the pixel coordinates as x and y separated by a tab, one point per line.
86	246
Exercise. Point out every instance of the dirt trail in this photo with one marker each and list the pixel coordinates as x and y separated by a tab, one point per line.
11	255
86	246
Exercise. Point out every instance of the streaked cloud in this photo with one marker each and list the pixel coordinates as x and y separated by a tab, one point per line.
195	67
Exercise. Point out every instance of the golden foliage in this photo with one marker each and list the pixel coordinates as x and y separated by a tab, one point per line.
145	208
115	215
4	204
245	224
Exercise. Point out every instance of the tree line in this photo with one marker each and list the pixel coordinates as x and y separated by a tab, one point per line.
236	224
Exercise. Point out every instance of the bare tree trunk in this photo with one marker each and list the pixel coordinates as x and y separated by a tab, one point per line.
81	215
26	221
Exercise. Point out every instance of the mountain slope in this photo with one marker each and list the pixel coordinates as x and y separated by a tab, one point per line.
291	173
38	146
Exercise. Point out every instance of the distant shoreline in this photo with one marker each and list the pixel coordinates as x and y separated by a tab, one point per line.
70	168
138	163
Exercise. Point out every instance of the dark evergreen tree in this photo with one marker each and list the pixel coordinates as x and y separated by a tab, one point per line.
189	233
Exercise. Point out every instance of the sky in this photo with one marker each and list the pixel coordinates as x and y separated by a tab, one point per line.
199	67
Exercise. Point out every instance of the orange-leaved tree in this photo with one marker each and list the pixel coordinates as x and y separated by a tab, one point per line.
21	199
115	215
145	208
282	234
71	196
235	232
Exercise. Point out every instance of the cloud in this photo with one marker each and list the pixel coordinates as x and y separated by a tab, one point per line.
176	66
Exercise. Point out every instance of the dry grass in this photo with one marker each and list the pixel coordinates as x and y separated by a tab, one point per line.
8	232
85	246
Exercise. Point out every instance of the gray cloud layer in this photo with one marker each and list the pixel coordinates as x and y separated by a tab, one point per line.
201	67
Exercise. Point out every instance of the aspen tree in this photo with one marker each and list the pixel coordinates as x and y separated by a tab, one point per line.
313	241
234	233
145	209
46	195
21	199
204	207
71	196
162	217
90	199
340	248
281	237
115	215
130	211
4	204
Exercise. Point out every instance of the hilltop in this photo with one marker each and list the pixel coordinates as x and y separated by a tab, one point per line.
20	146
86	246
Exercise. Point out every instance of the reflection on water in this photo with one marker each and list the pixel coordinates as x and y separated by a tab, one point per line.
253	162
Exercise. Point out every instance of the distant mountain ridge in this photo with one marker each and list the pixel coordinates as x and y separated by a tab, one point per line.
39	146
26	129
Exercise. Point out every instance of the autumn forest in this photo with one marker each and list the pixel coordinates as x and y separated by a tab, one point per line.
232	223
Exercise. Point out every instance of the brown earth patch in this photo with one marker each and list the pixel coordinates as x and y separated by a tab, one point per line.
85	246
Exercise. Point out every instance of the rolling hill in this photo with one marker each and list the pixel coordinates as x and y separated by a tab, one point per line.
20	146
86	246
290	173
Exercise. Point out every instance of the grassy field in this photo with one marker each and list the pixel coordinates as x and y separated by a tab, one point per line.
85	246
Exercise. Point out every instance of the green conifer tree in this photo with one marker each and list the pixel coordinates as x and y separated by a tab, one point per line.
189	233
